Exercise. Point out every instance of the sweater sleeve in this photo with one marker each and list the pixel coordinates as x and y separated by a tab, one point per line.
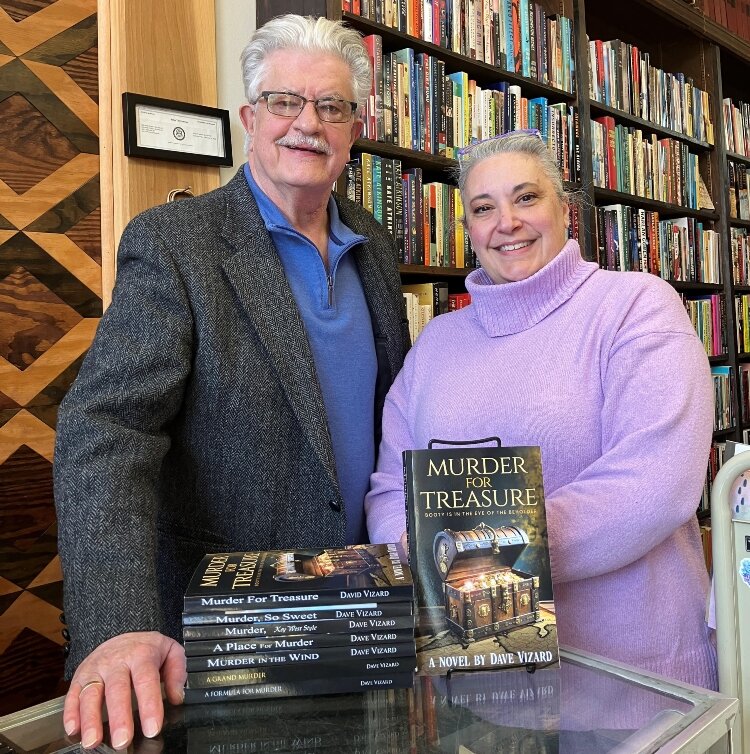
657	422
111	439
385	506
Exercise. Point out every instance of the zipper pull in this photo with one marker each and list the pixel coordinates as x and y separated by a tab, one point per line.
330	290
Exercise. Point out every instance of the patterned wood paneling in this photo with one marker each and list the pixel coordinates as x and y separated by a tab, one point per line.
26	512
82	70
20	9
50	302
86	234
31	148
28	663
34	318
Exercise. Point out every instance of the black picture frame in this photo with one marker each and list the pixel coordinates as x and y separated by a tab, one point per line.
135	148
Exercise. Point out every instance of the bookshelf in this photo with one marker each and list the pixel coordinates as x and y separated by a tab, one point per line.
734	72
679	39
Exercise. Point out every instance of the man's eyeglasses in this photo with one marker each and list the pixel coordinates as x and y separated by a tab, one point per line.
329	109
465	152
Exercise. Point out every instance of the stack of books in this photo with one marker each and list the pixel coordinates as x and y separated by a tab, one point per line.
299	622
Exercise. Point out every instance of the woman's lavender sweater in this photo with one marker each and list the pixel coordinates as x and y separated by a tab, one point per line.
605	373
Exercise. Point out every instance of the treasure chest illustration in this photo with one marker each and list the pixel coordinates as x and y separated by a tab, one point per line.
308	565
484	594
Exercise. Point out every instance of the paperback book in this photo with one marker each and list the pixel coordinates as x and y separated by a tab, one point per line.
310	686
296	642
327	670
279	629
314	621
479	554
358	610
297	655
286	578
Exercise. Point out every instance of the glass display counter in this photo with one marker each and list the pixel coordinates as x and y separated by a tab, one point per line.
587	706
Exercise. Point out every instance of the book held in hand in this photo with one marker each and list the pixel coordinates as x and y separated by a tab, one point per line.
479	555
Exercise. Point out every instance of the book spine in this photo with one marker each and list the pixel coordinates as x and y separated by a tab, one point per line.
377	195
406	251
295	642
300	671
359	611
308	628
398	203
367	200
271	600
308	687
351	180
395	101
531	10
308	656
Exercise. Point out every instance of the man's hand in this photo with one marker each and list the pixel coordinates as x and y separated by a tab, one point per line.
134	660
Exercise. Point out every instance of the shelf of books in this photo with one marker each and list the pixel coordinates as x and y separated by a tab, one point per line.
444	76
642	101
735	143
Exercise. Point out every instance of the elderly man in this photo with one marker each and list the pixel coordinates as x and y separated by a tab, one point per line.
232	396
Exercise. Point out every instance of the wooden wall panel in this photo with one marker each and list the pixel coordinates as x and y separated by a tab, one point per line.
66	193
163	49
50	303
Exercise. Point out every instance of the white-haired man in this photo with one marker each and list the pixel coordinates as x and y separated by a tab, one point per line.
231	399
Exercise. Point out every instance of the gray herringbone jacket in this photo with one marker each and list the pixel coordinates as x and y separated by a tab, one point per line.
197	422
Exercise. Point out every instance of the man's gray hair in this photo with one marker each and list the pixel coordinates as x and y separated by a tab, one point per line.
310	34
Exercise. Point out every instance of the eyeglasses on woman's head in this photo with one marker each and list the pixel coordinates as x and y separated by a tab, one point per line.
465	152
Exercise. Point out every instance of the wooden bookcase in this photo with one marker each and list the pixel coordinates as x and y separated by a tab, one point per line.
678	38
733	83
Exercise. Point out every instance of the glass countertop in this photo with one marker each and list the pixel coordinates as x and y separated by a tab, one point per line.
586	706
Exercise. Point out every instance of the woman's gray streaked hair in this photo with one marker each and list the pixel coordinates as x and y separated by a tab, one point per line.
521	143
310	34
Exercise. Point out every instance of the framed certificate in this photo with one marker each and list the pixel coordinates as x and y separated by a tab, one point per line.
162	129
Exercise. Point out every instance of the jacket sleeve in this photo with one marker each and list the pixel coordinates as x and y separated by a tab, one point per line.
111	439
657	423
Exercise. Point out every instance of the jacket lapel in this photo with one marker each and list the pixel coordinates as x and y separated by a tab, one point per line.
255	272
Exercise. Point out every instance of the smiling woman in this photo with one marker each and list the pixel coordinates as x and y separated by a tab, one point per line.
516	207
603	371
516	221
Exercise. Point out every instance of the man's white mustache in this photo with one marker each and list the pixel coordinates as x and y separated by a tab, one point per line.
308	142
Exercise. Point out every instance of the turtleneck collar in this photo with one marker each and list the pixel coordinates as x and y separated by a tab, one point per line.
507	308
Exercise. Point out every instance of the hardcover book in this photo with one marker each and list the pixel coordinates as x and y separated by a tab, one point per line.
285	578
479	554
366	667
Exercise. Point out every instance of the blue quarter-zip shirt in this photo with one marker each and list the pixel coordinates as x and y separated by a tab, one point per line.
339	329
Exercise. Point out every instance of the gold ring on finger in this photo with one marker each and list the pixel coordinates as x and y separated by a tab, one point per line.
90	683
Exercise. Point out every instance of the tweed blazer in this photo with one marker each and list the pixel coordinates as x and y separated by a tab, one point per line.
197	423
